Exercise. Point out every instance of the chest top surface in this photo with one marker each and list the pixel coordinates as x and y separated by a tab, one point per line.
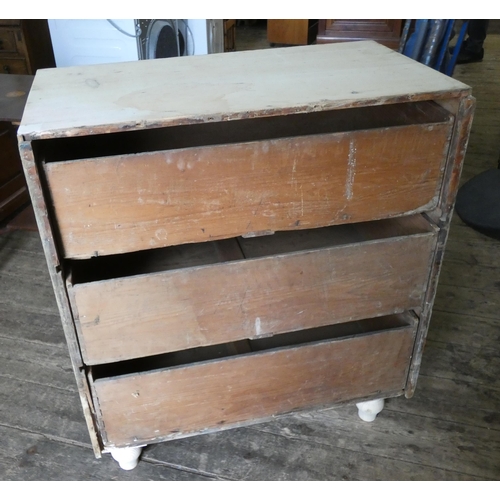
104	98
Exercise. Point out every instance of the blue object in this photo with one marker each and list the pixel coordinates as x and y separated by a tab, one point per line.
433	41
416	41
404	35
443	51
429	41
451	65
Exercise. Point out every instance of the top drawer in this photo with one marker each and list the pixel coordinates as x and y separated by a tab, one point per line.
202	182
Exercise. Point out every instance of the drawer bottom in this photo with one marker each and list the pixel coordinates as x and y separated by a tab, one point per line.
317	368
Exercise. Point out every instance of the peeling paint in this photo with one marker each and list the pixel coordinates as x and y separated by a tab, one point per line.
258	329
161	234
351	170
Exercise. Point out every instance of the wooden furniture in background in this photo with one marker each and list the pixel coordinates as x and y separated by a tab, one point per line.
218	261
292	31
384	31
14	91
229	35
25	46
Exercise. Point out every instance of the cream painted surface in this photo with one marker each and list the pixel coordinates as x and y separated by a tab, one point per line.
103	98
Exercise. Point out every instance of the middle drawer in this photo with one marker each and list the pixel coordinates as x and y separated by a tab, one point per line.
281	283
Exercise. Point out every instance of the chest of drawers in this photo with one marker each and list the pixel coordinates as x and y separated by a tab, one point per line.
238	236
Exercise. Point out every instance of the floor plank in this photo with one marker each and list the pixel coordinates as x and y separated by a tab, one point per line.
469	301
465	330
461	450
296	448
18	322
26	456
455	401
41	409
36	362
464	363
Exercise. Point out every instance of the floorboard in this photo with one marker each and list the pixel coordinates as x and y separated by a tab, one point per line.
460	450
454	401
299	449
449	431
27	456
462	329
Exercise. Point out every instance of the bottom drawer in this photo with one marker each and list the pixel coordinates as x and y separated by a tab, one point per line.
176	397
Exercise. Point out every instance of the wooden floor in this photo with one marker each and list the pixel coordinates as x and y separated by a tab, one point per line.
450	429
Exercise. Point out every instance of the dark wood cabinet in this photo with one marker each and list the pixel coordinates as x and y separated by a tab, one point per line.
25	46
13	192
13	93
229	35
384	31
292	31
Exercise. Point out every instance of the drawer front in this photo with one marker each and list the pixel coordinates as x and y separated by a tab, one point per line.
125	203
168	311
13	66
7	41
175	402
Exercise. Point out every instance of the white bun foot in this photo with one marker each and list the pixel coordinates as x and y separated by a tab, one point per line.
368	410
127	458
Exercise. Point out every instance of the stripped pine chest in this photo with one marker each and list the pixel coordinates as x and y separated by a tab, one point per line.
238	236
